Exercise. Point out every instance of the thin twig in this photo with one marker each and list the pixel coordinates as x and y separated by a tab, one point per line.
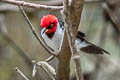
50	51
49	58
34	68
20	72
33	5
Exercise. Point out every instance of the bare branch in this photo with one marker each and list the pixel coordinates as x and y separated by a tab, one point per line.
20	72
33	5
8	7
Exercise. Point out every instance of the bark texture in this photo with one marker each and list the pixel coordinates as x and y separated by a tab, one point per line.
72	11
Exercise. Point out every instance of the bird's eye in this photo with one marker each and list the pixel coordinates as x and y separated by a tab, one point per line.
50	26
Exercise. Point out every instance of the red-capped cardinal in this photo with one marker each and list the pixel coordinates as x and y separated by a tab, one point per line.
53	32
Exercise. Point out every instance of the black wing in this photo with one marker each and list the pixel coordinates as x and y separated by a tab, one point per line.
93	49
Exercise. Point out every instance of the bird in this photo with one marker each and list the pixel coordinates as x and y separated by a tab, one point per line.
53	33
88	47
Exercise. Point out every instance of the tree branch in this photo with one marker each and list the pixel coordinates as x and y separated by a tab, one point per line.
70	33
72	13
33	5
8	7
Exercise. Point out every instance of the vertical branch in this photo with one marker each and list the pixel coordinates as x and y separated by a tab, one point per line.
63	72
72	14
71	38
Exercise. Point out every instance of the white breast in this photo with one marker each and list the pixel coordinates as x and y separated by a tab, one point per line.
56	41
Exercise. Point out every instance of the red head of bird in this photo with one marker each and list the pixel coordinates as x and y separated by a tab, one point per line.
52	31
49	22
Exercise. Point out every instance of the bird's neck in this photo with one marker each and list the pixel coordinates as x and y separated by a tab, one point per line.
51	34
